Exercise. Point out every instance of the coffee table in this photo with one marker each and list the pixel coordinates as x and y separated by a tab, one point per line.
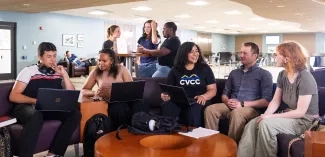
164	146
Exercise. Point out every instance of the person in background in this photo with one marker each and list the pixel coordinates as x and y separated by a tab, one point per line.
192	73
167	52
247	92
149	40
113	33
297	88
24	93
108	71
72	58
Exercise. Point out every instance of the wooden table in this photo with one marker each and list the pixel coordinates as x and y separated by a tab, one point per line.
128	59
314	144
131	145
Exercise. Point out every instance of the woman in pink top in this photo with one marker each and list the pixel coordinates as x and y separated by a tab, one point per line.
109	71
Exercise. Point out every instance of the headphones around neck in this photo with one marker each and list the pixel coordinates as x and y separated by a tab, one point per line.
45	70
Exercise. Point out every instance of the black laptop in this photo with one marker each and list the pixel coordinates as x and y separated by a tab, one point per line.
57	100
177	94
127	91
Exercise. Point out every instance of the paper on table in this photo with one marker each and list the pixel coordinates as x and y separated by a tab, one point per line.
199	132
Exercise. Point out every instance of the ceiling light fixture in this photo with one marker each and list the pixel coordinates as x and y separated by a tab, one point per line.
250	28
219	30
233	12
234	25
212	21
234	32
197	3
98	12
183	16
264	31
142	8
26	5
257	19
280	6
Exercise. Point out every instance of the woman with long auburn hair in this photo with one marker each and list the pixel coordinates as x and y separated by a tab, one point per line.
297	88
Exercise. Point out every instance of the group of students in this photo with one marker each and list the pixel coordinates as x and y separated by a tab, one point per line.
247	91
158	61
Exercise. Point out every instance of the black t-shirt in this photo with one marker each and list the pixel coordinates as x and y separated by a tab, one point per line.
171	44
108	44
193	81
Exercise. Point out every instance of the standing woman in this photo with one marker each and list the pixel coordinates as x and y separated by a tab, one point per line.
113	32
191	72
297	88
150	40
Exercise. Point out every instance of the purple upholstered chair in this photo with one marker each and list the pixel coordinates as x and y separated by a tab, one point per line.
48	130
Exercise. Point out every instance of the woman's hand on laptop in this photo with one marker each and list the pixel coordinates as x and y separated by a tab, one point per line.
165	97
200	99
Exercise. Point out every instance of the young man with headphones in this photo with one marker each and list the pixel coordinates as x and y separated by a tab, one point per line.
45	74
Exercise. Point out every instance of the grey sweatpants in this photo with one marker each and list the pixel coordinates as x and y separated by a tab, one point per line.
259	139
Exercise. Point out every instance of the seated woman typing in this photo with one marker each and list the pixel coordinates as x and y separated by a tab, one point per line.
43	75
192	73
297	88
109	71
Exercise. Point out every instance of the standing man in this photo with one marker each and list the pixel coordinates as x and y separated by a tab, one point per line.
247	90
167	52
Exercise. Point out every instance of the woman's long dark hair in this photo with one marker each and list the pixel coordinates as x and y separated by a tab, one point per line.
182	56
113	70
148	36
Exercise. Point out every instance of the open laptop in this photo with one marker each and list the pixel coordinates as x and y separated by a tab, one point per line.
57	100
177	94
127	91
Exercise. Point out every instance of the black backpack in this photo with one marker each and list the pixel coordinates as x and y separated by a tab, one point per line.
97	126
5	149
140	125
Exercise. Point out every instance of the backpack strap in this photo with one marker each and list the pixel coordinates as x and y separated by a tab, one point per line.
118	131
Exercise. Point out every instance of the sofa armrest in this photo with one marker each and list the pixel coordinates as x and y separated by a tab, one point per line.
314	143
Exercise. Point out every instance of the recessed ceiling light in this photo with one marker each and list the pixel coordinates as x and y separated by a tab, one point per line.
26	5
199	27
250	28
183	16
197	2
257	19
234	32
264	31
141	19
212	21
98	12
234	25
280	6
142	8
233	12
219	30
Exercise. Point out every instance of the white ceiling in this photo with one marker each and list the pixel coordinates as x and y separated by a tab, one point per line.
166	10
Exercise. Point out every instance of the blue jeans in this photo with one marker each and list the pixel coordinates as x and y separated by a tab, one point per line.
147	69
162	71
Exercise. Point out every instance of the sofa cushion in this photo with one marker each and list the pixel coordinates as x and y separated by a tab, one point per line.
297	148
318	76
321	100
45	138
5	104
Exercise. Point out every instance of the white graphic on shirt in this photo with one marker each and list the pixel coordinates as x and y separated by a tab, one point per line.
192	80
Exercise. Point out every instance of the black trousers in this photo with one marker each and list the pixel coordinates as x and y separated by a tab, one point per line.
192	115
122	112
32	121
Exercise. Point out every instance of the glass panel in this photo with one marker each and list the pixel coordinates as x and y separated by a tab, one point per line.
5	61
5	39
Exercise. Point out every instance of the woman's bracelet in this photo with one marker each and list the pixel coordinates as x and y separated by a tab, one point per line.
204	97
